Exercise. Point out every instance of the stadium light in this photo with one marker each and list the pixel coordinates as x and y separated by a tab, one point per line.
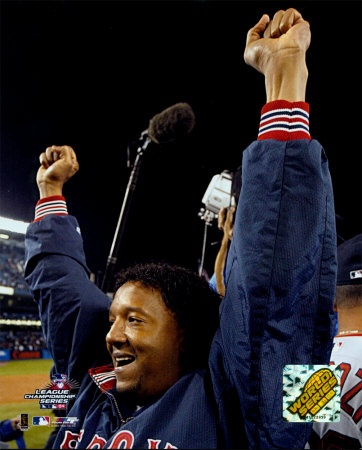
16	226
20	322
6	290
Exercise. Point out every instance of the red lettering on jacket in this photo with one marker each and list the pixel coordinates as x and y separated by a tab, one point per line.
70	440
153	443
97	442
124	438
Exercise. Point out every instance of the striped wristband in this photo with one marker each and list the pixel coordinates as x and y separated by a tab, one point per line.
50	205
284	121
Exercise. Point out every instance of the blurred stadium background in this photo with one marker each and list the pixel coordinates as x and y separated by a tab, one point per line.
24	360
20	334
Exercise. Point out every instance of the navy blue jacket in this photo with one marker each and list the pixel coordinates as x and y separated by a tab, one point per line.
278	309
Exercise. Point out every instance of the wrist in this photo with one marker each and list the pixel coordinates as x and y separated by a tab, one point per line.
286	78
50	190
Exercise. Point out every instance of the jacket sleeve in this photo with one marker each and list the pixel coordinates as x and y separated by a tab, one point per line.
73	311
280	283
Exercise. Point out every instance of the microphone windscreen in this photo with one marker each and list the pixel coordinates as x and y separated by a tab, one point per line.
172	123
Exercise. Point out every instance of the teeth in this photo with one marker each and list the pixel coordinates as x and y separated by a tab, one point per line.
123	360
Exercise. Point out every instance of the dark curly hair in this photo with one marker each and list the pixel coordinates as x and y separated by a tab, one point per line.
194	304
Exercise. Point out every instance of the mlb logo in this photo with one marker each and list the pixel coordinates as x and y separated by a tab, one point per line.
355	274
41	420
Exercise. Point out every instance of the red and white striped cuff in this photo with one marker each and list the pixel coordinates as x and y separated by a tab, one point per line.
50	205
284	121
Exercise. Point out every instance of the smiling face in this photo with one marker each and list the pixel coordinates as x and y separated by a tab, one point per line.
144	342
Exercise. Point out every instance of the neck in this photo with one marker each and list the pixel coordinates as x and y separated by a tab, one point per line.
350	320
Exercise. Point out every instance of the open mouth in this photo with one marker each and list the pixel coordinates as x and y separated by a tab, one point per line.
121	361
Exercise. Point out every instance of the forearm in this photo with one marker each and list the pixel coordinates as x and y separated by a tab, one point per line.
280	273
286	79
74	312
280	279
220	265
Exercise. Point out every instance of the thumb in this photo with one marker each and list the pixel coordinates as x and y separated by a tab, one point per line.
255	33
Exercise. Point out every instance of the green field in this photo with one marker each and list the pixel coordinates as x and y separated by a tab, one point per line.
29	366
36	436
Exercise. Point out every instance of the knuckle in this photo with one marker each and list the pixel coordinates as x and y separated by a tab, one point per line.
295	11
278	13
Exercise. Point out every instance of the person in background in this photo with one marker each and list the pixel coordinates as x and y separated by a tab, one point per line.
225	223
347	353
10	431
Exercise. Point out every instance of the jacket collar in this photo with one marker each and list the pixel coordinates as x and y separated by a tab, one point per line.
104	377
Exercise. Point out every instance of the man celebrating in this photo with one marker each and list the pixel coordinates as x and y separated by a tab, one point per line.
183	375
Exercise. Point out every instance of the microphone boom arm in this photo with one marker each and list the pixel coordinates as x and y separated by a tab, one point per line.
122	220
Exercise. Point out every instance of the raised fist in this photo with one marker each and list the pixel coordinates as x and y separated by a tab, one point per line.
58	164
287	35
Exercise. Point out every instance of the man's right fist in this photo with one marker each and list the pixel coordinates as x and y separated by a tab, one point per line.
58	164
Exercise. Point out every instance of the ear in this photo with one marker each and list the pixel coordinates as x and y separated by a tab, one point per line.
184	353
181	339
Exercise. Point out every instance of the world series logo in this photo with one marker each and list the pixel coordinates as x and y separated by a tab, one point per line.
311	393
56	394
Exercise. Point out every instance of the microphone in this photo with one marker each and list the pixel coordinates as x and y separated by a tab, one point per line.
171	124
167	126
